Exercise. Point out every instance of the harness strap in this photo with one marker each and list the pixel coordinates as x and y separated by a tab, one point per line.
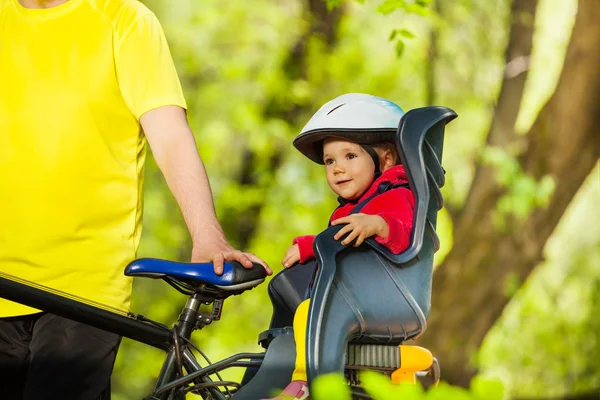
375	157
383	187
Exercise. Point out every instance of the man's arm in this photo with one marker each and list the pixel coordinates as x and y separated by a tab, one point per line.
174	149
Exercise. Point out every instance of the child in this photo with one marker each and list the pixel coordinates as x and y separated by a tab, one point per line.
353	136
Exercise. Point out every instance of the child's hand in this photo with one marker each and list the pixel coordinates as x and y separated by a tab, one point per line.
360	227
292	256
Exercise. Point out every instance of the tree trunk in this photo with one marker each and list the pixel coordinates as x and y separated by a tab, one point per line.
432	56
469	289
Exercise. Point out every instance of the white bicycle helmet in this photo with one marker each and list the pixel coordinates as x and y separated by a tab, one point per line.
358	117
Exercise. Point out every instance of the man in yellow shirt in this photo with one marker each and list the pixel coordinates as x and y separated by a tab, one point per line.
80	80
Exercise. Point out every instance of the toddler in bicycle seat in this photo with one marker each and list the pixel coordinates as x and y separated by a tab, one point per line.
353	136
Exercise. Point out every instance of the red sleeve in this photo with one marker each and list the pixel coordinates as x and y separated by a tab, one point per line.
397	208
305	245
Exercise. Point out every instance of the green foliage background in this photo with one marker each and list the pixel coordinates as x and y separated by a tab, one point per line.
231	63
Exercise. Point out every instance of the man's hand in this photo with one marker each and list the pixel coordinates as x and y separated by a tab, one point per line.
221	251
361	226
292	256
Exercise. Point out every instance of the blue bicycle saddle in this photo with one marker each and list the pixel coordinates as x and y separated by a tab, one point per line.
235	277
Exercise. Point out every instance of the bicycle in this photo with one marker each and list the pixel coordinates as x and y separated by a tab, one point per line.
338	338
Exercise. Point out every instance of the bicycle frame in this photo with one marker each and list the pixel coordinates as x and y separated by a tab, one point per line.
174	342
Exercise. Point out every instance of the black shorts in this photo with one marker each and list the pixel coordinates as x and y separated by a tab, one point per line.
43	356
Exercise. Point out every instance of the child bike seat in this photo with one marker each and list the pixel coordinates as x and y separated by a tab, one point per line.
368	295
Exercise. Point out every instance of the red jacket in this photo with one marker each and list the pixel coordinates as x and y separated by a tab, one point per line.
396	206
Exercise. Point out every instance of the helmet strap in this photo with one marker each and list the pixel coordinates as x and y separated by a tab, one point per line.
375	157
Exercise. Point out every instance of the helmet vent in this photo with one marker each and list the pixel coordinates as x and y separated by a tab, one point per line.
335	108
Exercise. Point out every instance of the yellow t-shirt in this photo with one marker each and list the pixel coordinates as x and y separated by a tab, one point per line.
74	81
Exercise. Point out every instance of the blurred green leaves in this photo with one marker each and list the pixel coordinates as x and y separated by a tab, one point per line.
399	35
331	387
379	387
416	7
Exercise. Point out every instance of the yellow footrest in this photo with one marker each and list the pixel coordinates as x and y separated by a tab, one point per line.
412	360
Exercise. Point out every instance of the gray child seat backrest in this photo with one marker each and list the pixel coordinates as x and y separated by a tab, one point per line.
368	294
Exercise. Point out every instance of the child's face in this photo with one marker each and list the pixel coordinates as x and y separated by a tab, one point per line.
350	169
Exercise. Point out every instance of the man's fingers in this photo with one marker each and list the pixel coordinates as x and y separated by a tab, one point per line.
218	259
227	253
256	259
237	255
244	259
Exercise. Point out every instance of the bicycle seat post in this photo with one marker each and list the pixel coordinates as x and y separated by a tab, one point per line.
190	316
